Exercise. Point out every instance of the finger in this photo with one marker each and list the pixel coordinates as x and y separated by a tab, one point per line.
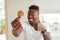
19	25
15	24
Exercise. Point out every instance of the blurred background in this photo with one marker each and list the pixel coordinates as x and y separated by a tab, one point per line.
2	20
49	15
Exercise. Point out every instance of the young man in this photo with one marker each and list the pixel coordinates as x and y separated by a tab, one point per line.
33	29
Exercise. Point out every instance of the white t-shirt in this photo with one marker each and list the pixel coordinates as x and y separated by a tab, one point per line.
30	33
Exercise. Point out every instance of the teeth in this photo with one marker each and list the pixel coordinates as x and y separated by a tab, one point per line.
31	19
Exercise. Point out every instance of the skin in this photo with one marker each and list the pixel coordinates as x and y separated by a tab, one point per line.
16	32
33	18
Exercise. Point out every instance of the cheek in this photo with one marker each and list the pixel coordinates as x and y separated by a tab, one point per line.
36	20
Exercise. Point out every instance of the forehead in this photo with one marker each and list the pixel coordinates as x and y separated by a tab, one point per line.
33	10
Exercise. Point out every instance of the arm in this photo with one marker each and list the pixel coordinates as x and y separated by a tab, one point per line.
46	36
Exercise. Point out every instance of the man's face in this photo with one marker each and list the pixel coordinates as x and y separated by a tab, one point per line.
33	16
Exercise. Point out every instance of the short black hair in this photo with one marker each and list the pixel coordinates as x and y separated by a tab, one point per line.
35	7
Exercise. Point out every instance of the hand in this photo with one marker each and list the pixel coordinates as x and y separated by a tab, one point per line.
15	23
16	32
41	27
17	28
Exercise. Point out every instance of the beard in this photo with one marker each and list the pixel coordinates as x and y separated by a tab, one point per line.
34	25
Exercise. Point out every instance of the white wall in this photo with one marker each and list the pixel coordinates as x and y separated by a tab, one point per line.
52	6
